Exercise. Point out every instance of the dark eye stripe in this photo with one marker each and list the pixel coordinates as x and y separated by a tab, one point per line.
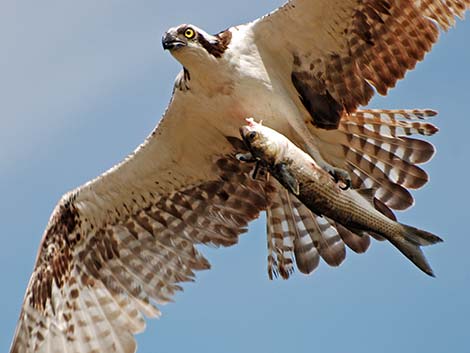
217	49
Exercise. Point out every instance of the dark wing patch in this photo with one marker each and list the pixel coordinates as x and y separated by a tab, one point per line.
61	235
325	111
342	51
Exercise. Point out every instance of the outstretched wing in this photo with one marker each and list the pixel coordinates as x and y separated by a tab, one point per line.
121	244
334	55
337	51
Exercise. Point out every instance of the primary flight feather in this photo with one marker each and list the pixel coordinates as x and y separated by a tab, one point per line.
123	242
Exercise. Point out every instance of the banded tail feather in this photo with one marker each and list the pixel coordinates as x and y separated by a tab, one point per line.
294	232
281	231
374	147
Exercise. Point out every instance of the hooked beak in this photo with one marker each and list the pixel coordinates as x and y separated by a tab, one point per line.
171	42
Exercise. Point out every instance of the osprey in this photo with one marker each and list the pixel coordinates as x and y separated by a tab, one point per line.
123	242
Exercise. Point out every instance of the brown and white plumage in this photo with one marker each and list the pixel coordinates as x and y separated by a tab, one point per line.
337	51
124	241
372	145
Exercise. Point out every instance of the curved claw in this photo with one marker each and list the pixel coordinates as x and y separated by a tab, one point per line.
245	157
347	184
254	175
248	158
341	176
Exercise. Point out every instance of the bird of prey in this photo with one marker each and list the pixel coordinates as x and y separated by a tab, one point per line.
120	244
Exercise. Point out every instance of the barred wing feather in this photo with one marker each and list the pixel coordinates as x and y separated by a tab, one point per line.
123	243
375	148
337	53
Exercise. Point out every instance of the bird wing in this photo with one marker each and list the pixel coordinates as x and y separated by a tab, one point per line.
333	55
121	243
336	51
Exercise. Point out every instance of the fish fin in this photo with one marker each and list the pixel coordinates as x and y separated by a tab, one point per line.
420	237
370	195
377	236
355	230
358	243
410	246
237	143
384	209
288	180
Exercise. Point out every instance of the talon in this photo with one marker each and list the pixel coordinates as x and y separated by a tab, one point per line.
333	174
255	171
340	176
248	158
347	185
344	178
245	157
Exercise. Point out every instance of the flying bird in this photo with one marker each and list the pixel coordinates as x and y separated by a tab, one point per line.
123	242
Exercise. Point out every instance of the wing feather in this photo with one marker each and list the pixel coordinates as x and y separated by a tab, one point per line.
372	149
335	52
299	234
124	242
373	145
281	232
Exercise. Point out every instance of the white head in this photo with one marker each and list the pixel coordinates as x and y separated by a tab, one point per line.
191	45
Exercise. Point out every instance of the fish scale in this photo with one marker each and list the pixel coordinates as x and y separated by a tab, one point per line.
323	196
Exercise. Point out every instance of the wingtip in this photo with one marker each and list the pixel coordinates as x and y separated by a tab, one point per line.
430	112
430	272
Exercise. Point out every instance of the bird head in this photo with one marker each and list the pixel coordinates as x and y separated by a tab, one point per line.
188	43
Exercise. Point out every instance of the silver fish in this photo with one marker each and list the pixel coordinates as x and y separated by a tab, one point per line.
317	189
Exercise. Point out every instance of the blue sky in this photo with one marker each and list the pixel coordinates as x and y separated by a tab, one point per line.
82	85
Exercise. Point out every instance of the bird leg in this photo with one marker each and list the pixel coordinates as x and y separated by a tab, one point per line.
338	174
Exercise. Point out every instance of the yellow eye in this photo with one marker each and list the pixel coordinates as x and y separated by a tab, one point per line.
189	33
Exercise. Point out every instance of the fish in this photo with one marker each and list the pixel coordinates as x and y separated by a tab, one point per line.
318	190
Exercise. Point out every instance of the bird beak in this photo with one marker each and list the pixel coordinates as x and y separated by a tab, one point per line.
171	42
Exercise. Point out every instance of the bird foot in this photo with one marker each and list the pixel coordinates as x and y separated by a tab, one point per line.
340	176
245	157
248	158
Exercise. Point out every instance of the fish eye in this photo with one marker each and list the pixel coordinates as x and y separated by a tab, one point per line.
189	33
252	135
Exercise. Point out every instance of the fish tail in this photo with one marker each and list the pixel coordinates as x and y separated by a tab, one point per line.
409	243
